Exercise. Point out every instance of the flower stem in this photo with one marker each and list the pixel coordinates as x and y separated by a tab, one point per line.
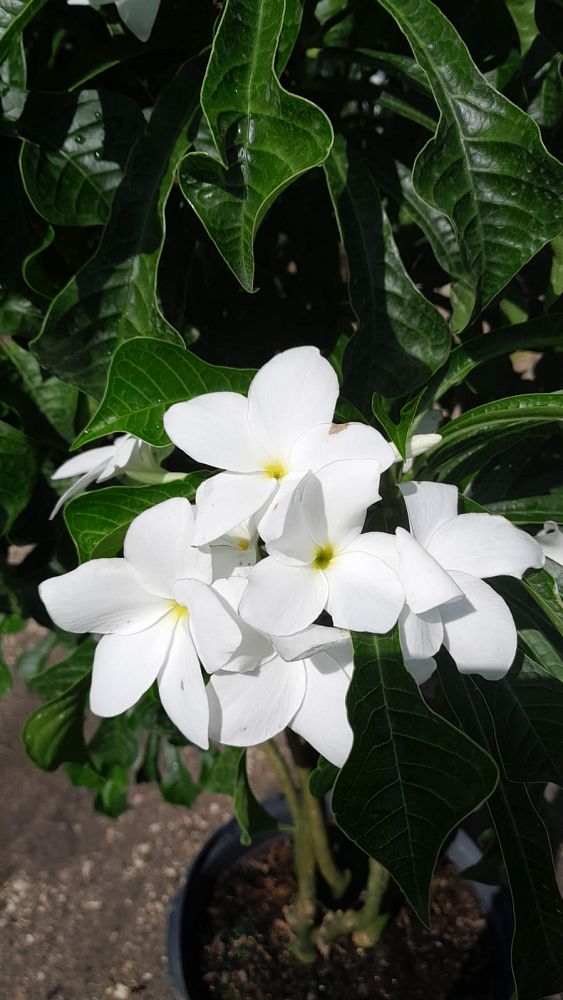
283	774
366	924
336	879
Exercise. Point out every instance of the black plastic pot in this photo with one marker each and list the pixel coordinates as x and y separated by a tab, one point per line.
224	849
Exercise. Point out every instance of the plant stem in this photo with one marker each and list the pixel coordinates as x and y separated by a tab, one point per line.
336	879
365	925
283	774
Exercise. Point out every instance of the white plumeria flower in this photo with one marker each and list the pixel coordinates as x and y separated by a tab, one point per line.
236	550
299	681
323	561
157	614
416	445
441	566
266	443
127	455
551	540
138	15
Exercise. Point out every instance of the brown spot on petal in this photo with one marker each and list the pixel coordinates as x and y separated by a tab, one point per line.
337	428
182	685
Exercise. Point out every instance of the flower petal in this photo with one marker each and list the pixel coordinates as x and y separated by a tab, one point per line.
328	443
74	489
310	641
283	599
426	584
228	558
336	499
158	545
103	595
322	718
214	429
182	691
379	544
293	392
125	666
551	540
246	709
212	623
421	635
255	648
86	461
227	499
139	17
479	631
421	670
428	505
364	595
485	545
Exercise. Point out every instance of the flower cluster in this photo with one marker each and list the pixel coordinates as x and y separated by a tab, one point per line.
241	581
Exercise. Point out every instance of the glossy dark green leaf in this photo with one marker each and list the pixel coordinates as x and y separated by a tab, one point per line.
537	947
113	299
54	681
78	145
486	169
146	377
98	521
543	651
522	12
536	333
56	400
114	744
543	589
18	471
250	815
111	798
530	510
53	733
411	776
176	783
398	432
15	15
528	714
402	338
292	16
265	137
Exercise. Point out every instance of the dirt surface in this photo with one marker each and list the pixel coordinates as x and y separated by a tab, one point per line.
83	898
246	953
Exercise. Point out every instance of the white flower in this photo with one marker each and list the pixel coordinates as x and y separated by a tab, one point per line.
299	681
323	561
551	540
441	566
425	437
138	15
157	614
127	454
266	443
235	550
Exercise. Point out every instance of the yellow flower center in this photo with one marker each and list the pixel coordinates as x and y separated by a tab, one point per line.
275	471
243	544
323	556
179	610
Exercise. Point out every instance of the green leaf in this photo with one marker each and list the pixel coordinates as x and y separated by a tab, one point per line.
486	168
528	714
111	799
114	744
522	12
402	338
113	299
5	679
411	776
530	510
15	15
219	769
55	681
34	660
250	815
322	778
513	415
56	400
542	588
148	376
544	652
537	946
18	471
292	17
265	137
98	521
176	783
398	432
76	153
53	733
536	333
149	769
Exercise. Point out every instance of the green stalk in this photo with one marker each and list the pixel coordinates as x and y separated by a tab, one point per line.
283	774
366	924
337	880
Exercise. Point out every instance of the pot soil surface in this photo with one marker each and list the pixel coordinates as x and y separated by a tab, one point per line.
245	952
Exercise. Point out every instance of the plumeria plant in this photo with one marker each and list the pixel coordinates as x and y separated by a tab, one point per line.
290	273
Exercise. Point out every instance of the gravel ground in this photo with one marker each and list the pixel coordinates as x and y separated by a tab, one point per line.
83	898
